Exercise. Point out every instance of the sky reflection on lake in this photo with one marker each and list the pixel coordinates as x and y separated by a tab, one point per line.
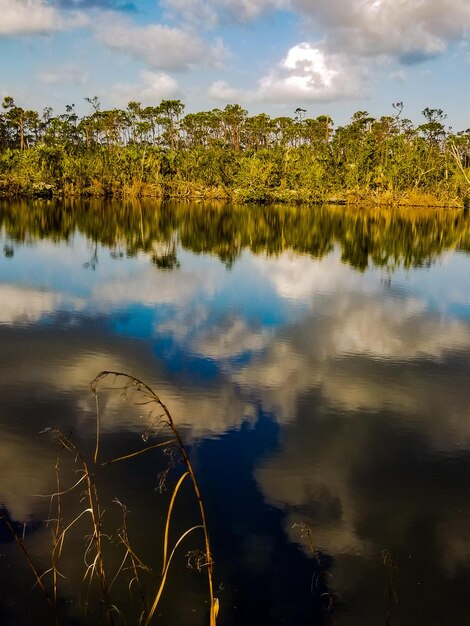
310	392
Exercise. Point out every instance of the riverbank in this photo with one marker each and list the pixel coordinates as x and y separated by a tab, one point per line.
288	175
185	190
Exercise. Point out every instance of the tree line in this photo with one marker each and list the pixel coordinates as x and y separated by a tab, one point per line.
226	153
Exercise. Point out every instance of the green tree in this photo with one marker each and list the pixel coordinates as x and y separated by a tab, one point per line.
170	112
21	120
433	130
233	120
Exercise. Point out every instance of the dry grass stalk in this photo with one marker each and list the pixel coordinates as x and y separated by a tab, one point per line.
96	569
148	398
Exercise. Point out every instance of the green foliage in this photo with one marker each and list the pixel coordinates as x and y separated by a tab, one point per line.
156	151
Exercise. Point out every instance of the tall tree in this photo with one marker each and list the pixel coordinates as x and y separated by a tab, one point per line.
433	130
233	119
170	112
19	119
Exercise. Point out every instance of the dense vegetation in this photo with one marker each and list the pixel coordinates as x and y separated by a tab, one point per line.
366	236
160	152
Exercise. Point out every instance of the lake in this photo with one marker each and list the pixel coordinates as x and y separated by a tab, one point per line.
316	363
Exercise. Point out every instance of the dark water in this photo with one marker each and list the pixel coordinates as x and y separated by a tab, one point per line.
316	361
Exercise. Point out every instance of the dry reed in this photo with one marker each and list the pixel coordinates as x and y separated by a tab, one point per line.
97	570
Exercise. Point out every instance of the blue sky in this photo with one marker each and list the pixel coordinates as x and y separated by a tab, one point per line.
326	56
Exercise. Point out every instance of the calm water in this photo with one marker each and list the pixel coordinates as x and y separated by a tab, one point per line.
317	362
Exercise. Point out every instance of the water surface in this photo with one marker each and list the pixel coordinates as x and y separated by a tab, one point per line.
316	361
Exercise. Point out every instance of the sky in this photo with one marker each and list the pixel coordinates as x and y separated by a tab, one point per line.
331	57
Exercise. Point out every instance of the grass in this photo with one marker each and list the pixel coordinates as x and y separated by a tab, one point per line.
319	584
146	585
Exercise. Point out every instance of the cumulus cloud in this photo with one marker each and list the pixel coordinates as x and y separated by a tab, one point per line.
28	17
321	499
161	47
221	90
399	76
347	343
23	306
152	87
231	338
212	12
67	73
306	74
335	476
116	5
407	29
343	365
152	288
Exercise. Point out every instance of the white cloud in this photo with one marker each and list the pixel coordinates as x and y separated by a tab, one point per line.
230	339
28	17
161	47
211	12
67	73
296	277
23	306
221	90
152	87
405	29
360	325
307	73
408	29
152	288
399	75
365	365
194	11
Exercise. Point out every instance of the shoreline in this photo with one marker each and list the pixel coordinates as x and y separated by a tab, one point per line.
189	192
